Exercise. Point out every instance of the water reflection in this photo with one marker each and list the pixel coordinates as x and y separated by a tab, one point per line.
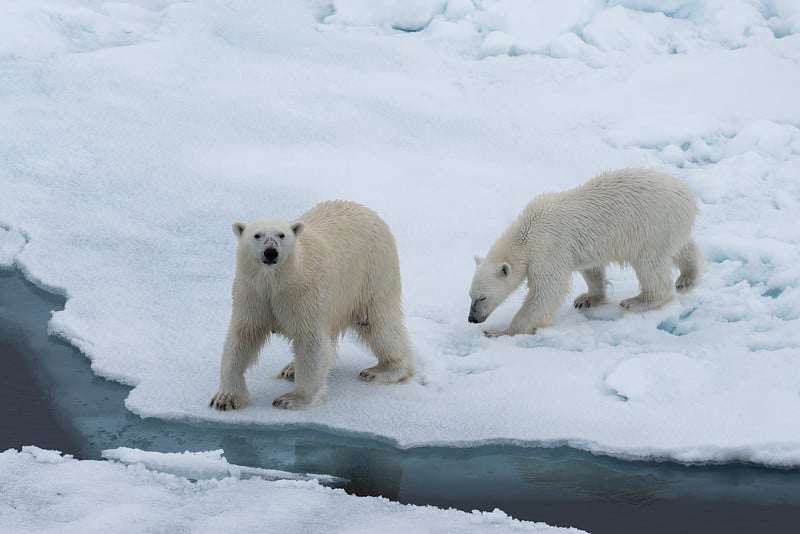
592	478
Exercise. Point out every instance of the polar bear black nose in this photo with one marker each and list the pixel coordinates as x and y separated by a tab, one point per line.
270	255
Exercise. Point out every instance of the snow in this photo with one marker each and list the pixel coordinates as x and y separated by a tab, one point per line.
44	491
11	244
202	465
133	135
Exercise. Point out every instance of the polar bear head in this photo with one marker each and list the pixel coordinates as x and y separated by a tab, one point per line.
268	241
491	285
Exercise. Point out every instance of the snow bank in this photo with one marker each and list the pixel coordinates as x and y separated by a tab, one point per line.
44	492
202	465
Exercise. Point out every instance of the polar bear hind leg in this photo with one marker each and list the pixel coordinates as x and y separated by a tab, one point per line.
596	285
313	359
287	373
689	261
387	337
655	282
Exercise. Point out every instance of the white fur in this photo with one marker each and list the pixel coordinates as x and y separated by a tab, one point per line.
637	217
333	269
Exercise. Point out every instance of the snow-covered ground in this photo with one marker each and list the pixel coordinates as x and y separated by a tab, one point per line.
133	134
44	492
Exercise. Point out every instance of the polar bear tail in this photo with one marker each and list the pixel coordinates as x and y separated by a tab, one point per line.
689	260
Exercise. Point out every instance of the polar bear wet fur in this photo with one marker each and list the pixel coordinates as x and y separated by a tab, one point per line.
637	217
336	268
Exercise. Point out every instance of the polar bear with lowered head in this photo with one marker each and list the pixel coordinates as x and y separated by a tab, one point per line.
310	280
638	217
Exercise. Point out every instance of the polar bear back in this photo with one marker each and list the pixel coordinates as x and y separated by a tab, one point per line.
337	219
349	250
358	235
615	217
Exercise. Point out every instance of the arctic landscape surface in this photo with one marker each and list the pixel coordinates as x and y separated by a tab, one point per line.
44	491
134	134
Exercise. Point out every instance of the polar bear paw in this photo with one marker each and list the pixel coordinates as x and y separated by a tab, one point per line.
639	304
586	301
506	332
498	333
291	401
385	374
226	400
287	373
684	283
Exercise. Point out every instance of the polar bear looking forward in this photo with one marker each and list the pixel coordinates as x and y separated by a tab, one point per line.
631	216
310	280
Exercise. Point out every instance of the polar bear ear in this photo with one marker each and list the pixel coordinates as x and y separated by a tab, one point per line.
238	228
297	227
505	269
478	260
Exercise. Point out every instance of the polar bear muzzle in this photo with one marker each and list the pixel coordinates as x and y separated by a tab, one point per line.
477	311
270	256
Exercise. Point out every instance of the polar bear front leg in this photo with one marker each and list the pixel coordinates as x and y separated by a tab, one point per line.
242	344
313	360
524	321
539	308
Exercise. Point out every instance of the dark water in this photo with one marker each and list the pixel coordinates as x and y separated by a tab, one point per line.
50	398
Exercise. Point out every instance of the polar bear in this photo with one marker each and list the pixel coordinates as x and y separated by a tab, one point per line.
310	280
630	216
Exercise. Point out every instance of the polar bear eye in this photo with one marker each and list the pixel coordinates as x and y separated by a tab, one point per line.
257	236
481	299
281	236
